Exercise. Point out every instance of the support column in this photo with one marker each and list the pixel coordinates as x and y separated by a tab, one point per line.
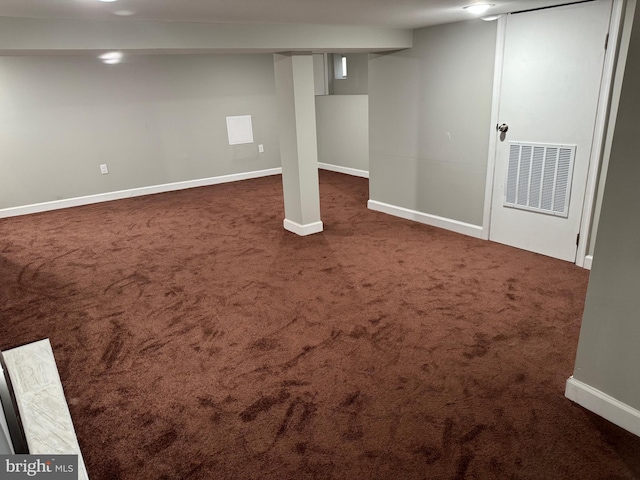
298	143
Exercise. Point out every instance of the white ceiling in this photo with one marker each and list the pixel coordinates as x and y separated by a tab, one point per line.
386	13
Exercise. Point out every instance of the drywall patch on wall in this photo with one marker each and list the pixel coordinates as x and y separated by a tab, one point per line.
239	129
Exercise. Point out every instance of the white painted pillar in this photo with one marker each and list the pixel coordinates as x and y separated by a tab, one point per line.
298	143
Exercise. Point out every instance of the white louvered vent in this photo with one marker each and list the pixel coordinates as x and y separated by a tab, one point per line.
539	177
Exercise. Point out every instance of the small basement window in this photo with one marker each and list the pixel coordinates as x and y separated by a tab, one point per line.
339	66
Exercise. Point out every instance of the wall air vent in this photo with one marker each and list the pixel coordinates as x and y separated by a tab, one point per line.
539	177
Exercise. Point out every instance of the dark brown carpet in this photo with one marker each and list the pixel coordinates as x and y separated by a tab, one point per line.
197	339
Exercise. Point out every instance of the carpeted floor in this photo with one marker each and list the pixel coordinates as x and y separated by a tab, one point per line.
196	339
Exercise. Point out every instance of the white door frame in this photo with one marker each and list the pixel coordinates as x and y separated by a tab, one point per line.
597	145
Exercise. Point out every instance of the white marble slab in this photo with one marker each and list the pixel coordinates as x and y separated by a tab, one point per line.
41	402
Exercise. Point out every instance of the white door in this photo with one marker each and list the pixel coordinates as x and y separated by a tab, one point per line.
553	62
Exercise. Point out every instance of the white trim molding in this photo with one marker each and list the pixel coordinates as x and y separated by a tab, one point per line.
588	261
428	219
604	405
303	230
495	119
600	130
134	192
347	170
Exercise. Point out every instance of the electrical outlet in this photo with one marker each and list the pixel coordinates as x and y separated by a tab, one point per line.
261	148
103	169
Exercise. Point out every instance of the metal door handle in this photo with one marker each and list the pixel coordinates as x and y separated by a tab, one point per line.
504	128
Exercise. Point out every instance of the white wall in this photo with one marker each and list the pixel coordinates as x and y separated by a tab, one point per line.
608	359
429	116
615	101
152	119
343	130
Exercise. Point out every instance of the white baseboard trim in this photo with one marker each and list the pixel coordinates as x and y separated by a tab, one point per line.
604	405
349	171
134	192
428	219
303	230
588	261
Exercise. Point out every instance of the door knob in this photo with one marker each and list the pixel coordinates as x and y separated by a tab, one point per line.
504	128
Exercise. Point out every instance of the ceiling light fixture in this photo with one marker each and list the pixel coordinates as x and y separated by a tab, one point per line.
478	8
491	18
108	1
111	58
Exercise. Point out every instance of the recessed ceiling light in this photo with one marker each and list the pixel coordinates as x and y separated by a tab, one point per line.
111	58
478	8
491	18
107	0
125	13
